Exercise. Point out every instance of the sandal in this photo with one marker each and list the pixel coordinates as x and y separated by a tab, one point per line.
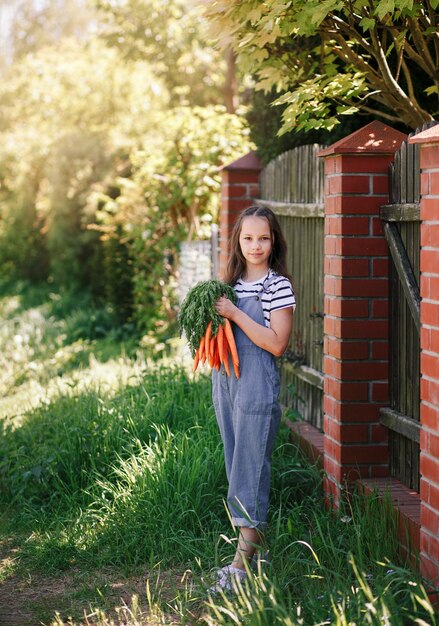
228	577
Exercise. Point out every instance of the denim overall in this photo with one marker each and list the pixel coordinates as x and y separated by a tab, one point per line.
248	415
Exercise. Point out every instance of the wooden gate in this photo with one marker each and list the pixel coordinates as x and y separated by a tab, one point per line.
292	186
401	219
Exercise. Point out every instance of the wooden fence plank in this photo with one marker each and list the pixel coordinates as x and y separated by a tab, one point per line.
405	272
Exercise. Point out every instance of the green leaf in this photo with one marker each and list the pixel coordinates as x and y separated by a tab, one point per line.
367	23
384	7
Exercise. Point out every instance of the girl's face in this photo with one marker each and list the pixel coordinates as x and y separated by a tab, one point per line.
256	242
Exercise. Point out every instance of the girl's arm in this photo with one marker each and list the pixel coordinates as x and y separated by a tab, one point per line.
274	339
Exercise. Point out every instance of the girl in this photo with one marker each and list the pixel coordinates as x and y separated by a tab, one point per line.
247	408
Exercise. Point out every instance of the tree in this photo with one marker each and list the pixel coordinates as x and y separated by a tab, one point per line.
171	35
30	25
337	57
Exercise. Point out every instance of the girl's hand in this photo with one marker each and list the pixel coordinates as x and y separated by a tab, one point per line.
225	307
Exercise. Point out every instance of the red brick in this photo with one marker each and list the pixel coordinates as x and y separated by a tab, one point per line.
430	391
430	260
332	448
350	433
330	285
429	157
364	454
240	176
380	392
425	184
430	339
330	166
234	191
429	209
366	163
355	184
380	350
332	205
348	391
363	370
429	467
430	287
348	308
330	366
433	497
380	184
347	349
340	266
378	433
430	234
332	467
360	205
253	191
362	287
235	205
434	450
379	471
358	412
344	225
329	325
377	226
429	313
430	365
434	340
428	569
380	308
434	183
332	245
329	405
380	267
430	520
364	246
362	329
430	416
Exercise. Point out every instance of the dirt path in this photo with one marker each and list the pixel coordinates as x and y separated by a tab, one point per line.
32	600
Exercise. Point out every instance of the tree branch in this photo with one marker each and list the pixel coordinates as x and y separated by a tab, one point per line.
421	46
410	111
410	51
433	18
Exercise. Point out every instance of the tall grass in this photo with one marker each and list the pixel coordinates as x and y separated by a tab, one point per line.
133	476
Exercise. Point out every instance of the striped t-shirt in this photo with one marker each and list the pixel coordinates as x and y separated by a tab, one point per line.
276	292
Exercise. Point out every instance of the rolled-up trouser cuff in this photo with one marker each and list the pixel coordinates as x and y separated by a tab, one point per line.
243	522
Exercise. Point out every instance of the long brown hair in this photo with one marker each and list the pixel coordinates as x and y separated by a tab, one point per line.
278	258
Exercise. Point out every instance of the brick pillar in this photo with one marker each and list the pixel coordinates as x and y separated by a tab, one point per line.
239	188
429	462
356	306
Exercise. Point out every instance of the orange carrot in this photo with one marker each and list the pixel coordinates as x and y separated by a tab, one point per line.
201	350
213	342
226	352
232	346
196	360
216	358
220	341
207	338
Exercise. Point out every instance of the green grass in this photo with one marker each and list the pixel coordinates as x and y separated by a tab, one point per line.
117	463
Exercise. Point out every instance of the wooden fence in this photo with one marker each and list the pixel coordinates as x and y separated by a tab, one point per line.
292	186
402	229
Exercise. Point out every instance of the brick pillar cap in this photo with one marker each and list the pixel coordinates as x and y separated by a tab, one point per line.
429	135
374	138
249	161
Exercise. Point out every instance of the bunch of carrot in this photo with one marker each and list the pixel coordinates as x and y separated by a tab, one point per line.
216	349
209	335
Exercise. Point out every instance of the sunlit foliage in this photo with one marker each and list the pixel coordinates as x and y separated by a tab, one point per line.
333	58
110	149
